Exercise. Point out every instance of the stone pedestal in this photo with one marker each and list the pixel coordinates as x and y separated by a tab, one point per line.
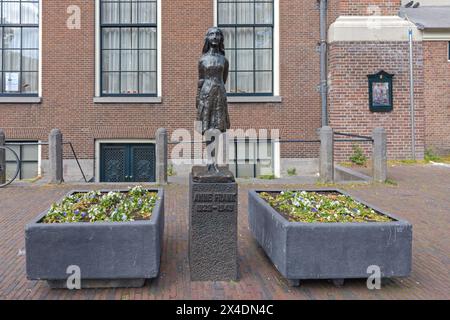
213	236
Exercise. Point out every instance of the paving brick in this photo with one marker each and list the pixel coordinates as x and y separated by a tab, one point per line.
421	197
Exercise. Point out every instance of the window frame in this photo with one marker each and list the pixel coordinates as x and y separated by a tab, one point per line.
21	144
20	25
120	26
235	160
253	48
448	51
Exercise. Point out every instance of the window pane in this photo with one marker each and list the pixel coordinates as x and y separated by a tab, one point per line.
11	82
30	60
231	83
231	56
111	38
229	37
264	13
30	82
245	13
129	82
263	82
244	82
129	38
147	38
125	12
30	152
227	13
129	60
29	170
30	13
147	60
147	82
263	37
147	12
30	38
244	60
244	37
110	12
111	83
11	60
111	60
11	38
11	12
263	59
9	156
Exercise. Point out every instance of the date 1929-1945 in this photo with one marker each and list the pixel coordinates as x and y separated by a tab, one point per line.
238	309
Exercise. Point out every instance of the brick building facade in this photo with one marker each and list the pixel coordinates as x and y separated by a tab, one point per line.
70	93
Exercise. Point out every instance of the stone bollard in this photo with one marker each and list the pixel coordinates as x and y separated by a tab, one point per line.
2	158
55	156
379	155
161	156
326	155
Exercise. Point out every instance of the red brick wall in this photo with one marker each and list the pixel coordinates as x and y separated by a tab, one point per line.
350	63
368	7
437	96
69	74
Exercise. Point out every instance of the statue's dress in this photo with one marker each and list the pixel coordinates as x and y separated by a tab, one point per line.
212	103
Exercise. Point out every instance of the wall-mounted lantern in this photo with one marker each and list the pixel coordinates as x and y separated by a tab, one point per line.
380	92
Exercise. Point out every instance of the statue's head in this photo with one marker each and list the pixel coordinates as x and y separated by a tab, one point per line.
214	39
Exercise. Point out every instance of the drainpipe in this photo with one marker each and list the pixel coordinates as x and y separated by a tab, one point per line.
411	94
323	60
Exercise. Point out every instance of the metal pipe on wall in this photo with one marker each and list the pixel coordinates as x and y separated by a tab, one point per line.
323	61
411	94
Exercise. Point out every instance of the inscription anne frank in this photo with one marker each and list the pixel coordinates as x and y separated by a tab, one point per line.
209	202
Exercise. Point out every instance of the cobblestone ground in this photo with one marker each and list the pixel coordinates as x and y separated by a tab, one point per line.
422	196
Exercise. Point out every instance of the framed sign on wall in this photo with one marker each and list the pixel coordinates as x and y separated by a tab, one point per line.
380	92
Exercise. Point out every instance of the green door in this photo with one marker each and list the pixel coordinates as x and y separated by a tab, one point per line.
127	162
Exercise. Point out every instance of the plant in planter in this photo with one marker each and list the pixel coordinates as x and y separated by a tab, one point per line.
326	234
115	238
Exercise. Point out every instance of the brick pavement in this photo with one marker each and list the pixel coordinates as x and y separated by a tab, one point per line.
422	197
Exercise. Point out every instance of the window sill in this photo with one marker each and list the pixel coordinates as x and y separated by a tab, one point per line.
255	99
21	100
130	100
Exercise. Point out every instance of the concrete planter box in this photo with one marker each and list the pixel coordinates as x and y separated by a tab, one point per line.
333	251
109	254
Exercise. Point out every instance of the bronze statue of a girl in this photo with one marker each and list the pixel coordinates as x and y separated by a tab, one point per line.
212	107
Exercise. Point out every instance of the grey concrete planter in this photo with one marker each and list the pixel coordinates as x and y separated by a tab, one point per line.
118	254
333	251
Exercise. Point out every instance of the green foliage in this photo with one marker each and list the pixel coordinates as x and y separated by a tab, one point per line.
431	156
321	207
171	171
358	156
94	206
391	182
292	172
267	177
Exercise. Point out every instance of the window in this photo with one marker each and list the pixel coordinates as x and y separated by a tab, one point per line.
19	59
448	55
250	158
128	47
248	27
28	153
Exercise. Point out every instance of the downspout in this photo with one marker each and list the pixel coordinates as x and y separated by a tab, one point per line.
323	61
411	94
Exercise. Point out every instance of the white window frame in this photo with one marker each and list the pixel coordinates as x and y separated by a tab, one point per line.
123	99
276	60
31	99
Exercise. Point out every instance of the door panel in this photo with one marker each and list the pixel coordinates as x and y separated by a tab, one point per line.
127	163
143	163
113	163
